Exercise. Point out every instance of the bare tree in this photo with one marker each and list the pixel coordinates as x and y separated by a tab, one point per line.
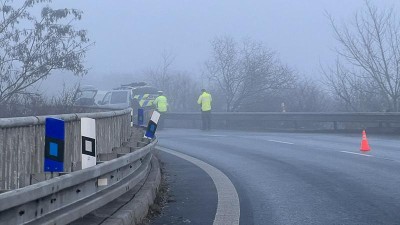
244	72
66	98
180	88
224	68
32	47
35	103
160	75
262	73
354	93
306	96
183	92
369	55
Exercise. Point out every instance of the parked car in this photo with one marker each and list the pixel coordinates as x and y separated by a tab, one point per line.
117	99
142	92
133	95
85	96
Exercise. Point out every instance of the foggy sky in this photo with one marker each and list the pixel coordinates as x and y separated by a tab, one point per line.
130	35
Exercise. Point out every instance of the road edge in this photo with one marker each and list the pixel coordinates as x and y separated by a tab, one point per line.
137	209
228	206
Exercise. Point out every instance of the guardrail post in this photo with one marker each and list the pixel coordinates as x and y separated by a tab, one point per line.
335	125
132	118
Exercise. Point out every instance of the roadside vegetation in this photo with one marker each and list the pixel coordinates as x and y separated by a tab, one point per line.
242	74
35	41
247	75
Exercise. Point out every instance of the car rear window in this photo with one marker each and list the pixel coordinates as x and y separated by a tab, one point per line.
119	97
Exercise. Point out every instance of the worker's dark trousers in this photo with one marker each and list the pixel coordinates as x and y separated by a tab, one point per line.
206	119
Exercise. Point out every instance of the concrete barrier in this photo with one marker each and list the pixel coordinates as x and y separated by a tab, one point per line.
388	122
22	143
64	199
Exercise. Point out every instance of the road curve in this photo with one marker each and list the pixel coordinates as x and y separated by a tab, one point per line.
294	178
228	206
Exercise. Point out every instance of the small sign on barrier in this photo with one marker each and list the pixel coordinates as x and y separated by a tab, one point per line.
54	145
152	125
140	117
88	132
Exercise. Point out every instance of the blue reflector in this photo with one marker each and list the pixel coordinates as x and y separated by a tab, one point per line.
140	117
55	128
151	129
54	145
53	149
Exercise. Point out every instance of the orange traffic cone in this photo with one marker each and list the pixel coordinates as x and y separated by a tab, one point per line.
364	142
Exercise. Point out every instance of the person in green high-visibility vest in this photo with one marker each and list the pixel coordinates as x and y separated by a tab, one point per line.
205	100
161	105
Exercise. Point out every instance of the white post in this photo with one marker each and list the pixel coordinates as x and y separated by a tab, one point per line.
88	132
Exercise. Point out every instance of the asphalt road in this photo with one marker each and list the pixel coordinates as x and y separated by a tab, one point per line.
289	178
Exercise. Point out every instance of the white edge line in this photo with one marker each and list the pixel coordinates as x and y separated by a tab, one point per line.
228	206
282	142
355	153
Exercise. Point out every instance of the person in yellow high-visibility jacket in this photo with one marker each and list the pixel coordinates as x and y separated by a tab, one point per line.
205	101
161	105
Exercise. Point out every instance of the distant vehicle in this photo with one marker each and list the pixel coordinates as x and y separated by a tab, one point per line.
116	99
99	96
85	96
142	92
135	95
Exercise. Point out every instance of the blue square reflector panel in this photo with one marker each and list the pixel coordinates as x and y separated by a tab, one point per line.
54	145
53	149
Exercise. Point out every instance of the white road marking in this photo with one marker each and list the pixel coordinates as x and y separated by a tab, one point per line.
355	153
281	142
215	135
228	206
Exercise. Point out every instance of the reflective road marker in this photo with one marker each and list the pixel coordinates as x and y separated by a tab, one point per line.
281	142
355	153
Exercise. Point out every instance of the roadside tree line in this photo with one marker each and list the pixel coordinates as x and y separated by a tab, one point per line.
246	75
34	45
242	75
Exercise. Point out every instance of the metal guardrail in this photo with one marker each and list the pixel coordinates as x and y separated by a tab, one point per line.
22	143
40	120
64	199
230	119
316	117
99	108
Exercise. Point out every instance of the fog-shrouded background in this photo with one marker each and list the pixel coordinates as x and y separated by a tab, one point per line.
131	35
